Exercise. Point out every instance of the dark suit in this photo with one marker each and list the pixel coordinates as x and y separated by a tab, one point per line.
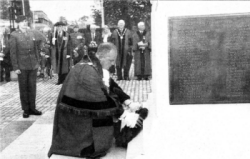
97	38
77	45
6	63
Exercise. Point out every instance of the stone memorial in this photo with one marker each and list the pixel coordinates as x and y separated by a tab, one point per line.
209	59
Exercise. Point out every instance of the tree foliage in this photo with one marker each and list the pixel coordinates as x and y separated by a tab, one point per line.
84	18
131	11
4	11
97	16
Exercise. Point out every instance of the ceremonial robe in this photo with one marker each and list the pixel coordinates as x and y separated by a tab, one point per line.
123	42
142	58
83	123
60	51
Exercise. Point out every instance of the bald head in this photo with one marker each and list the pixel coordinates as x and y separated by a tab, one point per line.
141	26
106	53
121	24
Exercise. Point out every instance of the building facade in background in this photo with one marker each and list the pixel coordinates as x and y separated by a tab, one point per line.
41	20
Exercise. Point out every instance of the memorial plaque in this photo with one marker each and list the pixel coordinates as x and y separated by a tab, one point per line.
210	59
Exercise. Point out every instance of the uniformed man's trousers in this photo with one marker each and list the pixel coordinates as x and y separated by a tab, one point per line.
61	78
27	88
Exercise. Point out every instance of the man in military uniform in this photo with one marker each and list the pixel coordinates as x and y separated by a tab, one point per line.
77	45
24	50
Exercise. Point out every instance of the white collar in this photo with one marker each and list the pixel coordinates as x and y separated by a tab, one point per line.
106	77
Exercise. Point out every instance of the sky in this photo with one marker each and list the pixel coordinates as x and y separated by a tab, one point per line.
71	9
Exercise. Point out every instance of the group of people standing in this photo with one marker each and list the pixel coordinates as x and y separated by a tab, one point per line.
69	48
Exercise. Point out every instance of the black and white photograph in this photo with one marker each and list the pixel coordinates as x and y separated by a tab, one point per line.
124	79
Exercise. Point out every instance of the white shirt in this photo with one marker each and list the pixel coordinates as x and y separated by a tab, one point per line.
106	77
105	38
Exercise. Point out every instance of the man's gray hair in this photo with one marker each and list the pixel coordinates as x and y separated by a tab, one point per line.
121	21
104	49
140	23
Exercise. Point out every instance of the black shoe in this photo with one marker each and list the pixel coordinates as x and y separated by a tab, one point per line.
35	112
58	83
127	79
41	75
26	115
96	157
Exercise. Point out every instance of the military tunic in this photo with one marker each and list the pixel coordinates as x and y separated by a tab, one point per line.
24	49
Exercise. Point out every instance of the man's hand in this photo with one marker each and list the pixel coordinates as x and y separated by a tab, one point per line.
18	72
42	53
134	106
131	119
76	54
53	41
133	53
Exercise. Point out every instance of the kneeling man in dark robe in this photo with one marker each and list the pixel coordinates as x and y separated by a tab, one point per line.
90	103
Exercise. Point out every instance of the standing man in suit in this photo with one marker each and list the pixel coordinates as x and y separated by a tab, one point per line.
61	52
122	39
77	45
93	38
24	50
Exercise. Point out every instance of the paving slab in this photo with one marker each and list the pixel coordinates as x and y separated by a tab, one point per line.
34	142
31	137
12	131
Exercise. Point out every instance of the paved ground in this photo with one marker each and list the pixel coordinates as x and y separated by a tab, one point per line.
12	125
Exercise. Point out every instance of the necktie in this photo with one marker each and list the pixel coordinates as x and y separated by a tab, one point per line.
60	34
